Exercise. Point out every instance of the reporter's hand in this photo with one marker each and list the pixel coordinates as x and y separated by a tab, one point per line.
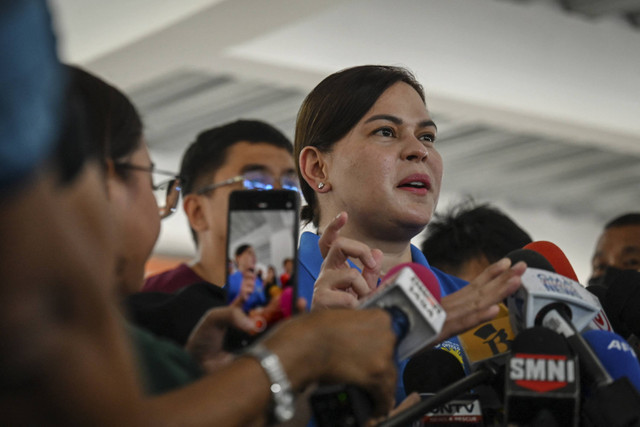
247	287
340	346
478	301
338	284
206	340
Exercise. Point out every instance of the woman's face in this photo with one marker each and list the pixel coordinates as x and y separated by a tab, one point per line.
139	221
247	260
386	172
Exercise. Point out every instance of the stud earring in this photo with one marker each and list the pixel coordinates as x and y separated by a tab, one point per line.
320	185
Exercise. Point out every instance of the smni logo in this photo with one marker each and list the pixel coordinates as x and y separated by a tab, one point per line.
542	373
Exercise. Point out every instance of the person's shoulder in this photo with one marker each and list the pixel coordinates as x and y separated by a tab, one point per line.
171	280
449	283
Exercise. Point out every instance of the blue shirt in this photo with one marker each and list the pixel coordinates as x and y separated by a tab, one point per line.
257	297
309	264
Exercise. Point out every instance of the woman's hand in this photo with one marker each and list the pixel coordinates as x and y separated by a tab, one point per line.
478	301
338	284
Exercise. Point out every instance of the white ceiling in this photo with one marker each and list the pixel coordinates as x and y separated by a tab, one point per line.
538	107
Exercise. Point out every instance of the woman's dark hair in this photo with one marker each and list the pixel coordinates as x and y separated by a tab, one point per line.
241	249
113	120
334	107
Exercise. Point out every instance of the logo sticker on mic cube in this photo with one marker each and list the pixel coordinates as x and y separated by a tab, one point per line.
540	288
464	410
426	316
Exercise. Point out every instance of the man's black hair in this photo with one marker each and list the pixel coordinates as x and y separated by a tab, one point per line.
468	231
631	218
208	152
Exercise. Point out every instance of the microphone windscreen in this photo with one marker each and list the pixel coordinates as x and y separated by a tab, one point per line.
426	276
540	340
431	370
555	256
615	354
532	258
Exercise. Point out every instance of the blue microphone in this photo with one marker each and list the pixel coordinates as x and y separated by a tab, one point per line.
616	355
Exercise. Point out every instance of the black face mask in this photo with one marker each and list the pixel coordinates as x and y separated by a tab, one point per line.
610	275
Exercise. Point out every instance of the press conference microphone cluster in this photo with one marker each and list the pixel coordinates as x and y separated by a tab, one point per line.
560	304
411	295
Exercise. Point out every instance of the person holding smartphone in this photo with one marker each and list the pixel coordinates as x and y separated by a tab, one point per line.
245	154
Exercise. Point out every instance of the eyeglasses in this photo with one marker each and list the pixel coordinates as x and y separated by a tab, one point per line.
257	180
166	191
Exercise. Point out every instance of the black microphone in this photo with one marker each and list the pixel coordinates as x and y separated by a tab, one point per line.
542	380
429	372
486	372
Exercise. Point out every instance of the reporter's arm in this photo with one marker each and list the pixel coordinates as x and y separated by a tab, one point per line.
329	346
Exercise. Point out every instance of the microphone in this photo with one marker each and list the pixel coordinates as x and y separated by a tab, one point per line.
485	373
562	266
415	291
411	293
429	372
488	339
616	354
542	381
541	287
617	403
564	306
555	256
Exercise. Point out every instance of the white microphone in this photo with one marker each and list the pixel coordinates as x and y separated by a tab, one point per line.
415	291
541	288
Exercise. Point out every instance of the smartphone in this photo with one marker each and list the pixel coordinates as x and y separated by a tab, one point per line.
262	245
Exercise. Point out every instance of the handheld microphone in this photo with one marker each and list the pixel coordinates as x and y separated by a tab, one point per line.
541	286
485	373
555	256
429	372
488	339
542	381
411	297
415	291
562	266
617	403
616	354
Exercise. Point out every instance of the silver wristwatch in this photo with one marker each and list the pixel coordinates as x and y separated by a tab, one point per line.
281	392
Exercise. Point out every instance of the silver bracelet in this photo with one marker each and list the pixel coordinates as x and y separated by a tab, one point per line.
281	392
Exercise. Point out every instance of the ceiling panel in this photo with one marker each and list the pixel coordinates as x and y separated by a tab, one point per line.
488	163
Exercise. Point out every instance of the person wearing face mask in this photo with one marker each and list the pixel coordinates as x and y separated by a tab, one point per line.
618	246
371	172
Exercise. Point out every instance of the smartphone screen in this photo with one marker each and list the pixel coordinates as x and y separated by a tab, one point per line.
262	242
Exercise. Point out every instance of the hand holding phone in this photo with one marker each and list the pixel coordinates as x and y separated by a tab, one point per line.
262	240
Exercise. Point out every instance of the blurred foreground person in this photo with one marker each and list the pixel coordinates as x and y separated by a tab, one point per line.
64	357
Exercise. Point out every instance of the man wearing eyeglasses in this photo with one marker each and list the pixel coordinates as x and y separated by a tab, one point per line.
247	154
